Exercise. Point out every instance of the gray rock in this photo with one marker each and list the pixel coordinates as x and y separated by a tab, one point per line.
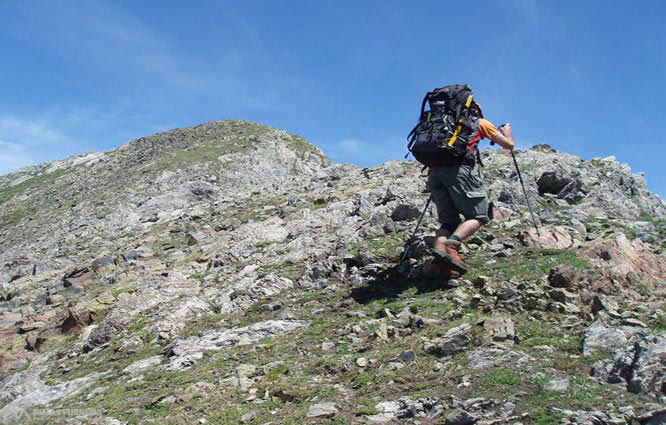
552	182
562	295
405	212
408	356
641	367
454	341
405	408
460	417
26	390
143	365
183	353
248	417
488	358
322	410
559	385
500	330
602	303
599	337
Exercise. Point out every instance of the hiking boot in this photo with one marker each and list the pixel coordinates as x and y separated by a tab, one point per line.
443	270
448	252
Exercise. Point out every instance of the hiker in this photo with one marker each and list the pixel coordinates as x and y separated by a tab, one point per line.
456	190
445	140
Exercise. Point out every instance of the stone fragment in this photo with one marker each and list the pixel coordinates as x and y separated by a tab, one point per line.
408	356
453	342
629	321
382	332
603	303
184	353
488	358
562	295
395	365
55	299
460	417
599	338
499	329
556	237
142	365
641	366
563	276
404	212
77	277
248	417
76	321
322	410
100	264
34	342
558	385
29	327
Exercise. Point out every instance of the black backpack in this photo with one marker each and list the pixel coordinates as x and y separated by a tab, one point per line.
449	132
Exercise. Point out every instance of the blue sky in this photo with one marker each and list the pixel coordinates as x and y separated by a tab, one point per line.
588	77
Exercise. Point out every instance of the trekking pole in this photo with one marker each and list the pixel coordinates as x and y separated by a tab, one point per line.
525	192
521	183
407	245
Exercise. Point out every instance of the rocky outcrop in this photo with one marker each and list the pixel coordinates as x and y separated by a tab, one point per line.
233	264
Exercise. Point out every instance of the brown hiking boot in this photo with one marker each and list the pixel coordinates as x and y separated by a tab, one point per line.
448	252
443	270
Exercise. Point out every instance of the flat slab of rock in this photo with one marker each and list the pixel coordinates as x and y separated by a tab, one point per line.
185	352
454	341
500	330
559	385
548	238
322	410
142	365
598	338
488	358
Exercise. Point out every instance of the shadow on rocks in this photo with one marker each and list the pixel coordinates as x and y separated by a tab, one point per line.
390	283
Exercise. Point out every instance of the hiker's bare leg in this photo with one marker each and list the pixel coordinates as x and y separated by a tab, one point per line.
441	236
468	228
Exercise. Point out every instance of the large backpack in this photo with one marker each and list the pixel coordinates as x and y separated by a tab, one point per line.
449	132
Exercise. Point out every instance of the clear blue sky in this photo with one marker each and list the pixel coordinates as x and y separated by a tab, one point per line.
588	77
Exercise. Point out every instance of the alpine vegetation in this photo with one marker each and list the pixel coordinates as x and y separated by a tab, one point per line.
231	273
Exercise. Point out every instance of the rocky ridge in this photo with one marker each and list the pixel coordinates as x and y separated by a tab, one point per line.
231	273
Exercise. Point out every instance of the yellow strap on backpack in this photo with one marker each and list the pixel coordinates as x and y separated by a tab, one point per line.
460	121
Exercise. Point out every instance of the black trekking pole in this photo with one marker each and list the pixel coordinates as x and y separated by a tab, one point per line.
525	192
529	206
408	244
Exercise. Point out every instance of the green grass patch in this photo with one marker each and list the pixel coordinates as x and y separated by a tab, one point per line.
501	377
526	265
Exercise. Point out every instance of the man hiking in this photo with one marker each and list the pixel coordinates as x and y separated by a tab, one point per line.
445	140
457	191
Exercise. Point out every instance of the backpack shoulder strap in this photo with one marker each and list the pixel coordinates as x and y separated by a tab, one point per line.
460	121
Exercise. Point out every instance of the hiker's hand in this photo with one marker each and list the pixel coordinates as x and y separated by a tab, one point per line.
505	137
509	135
506	130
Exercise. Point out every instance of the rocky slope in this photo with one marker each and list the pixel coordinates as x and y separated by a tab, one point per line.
229	273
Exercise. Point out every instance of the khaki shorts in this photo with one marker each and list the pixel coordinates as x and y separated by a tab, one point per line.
457	190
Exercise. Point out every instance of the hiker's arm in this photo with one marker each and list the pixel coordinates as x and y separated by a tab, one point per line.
505	137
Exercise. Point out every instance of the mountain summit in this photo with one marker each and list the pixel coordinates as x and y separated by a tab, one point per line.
230	273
